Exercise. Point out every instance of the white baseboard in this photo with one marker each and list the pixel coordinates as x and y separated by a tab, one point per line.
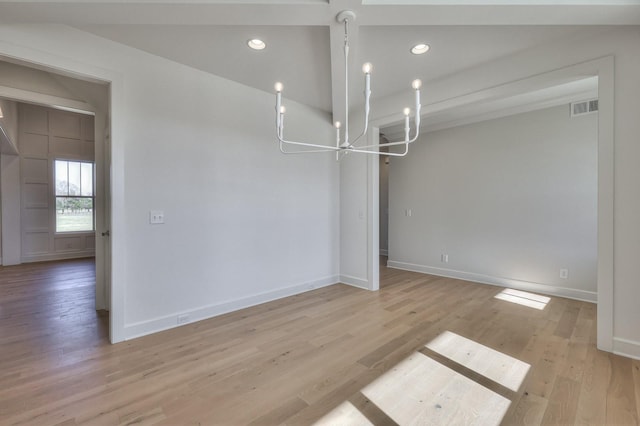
570	293
384	252
143	328
627	348
354	281
57	256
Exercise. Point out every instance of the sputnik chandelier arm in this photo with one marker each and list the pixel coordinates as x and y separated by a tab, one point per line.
343	145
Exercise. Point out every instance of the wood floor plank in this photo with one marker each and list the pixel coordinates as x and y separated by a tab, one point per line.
621	400
528	410
280	413
568	320
562	403
636	382
295	360
592	402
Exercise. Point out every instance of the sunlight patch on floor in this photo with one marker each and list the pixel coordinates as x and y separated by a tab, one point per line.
501	368
420	391
523	298
423	391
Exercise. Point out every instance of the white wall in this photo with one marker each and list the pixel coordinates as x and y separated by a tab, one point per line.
622	44
243	223
353	221
509	201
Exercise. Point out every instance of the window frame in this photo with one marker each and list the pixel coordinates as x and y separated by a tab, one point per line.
91	197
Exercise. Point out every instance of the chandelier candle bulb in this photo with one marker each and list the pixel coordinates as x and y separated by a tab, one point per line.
417	84
281	115
367	84
337	124
278	88
367	95
406	112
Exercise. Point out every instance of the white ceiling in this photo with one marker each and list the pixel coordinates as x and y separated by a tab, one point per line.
304	41
297	56
300	57
453	49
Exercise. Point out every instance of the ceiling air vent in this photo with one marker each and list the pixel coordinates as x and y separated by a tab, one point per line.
584	107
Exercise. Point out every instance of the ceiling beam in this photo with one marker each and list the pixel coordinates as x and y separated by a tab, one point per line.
492	14
321	12
166	13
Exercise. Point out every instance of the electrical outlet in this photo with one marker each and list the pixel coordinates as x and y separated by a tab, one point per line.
183	319
564	273
444	258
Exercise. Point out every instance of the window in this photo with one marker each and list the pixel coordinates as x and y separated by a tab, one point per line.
74	196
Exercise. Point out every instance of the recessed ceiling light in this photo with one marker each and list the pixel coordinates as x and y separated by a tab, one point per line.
256	44
419	49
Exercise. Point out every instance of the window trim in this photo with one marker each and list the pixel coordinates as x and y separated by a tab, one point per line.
56	196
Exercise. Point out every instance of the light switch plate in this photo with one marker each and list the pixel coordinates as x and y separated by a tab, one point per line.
156	217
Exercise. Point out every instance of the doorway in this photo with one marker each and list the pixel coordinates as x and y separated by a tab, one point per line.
77	105
603	70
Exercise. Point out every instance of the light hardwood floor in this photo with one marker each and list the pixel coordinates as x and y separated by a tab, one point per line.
424	349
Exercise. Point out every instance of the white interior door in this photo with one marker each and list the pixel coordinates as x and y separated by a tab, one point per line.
103	212
107	218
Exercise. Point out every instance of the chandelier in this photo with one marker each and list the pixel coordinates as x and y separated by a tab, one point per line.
344	145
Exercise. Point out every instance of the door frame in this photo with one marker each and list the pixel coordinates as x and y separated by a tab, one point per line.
71	68
603	68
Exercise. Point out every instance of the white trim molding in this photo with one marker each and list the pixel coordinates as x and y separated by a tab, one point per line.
143	328
628	348
58	256
570	293
355	281
50	101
